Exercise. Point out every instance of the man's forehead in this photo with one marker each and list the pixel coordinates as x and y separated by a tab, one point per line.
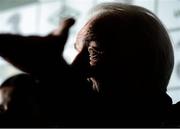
85	29
83	35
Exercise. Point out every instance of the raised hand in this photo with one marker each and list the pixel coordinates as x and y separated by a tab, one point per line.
36	54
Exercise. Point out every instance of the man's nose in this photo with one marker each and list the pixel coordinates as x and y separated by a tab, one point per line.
3	108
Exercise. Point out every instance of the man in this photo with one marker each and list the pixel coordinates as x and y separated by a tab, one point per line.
130	63
118	79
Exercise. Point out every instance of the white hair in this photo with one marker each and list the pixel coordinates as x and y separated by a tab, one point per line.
117	9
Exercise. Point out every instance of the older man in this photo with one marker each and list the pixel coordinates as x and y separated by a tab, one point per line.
118	79
130	60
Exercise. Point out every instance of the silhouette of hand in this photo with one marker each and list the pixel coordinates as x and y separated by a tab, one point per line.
36	54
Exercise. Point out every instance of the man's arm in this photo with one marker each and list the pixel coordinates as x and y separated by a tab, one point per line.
36	54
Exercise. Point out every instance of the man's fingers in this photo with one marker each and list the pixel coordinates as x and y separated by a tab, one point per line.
63	29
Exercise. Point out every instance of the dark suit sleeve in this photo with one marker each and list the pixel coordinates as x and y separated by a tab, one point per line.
32	54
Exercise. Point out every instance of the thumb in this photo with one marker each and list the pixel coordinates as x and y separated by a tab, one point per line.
61	33
64	27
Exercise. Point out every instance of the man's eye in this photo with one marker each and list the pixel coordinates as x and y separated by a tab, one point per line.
94	51
90	50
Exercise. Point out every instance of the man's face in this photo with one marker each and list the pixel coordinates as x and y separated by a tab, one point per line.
99	57
85	41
